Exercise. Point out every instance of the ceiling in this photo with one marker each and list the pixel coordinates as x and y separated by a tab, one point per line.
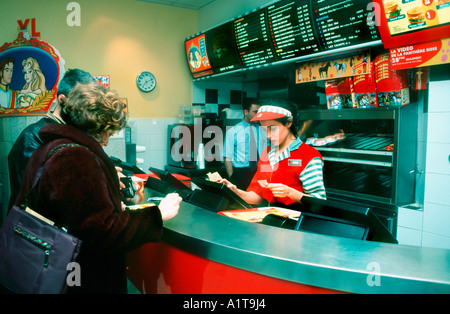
186	4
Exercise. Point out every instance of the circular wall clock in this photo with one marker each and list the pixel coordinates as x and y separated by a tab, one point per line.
146	82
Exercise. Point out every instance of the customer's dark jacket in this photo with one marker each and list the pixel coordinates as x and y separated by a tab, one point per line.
21	152
79	189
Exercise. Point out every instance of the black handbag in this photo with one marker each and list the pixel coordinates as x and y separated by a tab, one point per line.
35	256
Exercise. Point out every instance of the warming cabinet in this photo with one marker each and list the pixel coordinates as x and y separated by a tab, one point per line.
369	155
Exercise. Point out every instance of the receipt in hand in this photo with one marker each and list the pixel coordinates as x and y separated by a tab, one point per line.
214	177
263	183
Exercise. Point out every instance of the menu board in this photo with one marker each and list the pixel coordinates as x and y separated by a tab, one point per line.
411	22
221	49
197	56
291	29
342	23
252	39
283	30
414	15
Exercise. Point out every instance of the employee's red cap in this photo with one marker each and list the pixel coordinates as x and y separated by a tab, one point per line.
271	113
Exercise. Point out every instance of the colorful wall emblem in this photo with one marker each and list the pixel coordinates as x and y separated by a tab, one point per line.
30	71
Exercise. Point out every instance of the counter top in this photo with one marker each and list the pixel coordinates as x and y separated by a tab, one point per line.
312	259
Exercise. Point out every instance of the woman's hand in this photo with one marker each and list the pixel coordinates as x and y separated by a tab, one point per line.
281	190
169	206
120	175
229	185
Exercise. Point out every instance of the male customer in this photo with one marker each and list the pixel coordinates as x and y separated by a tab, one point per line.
243	145
29	140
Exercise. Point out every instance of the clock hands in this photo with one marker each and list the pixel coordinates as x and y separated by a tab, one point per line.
146	82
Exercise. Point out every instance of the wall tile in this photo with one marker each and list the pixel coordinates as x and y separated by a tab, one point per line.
408	236
151	133
436	219
438	127
437	187
439	92
410	218
438	158
435	241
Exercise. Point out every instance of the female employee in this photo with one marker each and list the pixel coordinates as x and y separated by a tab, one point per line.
288	169
79	189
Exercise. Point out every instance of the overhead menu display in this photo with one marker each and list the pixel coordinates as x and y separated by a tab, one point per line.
291	29
252	39
411	22
414	15
283	30
222	49
342	23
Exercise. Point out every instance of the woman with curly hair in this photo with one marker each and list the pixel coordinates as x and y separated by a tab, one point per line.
79	190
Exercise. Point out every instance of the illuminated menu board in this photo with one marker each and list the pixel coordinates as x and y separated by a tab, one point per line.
252	39
221	49
410	22
415	15
283	30
291	29
342	23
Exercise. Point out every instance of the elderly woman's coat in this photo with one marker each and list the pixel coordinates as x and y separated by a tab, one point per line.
79	189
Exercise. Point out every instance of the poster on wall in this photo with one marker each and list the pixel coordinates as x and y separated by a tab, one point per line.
30	71
198	57
103	80
332	69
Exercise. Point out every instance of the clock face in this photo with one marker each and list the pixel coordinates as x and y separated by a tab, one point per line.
146	81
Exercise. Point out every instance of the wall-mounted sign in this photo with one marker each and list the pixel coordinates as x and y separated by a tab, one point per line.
283	30
197	56
419	55
409	22
103	80
30	71
338	68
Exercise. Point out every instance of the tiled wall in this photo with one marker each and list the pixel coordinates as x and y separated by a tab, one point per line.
151	134
436	219
430	226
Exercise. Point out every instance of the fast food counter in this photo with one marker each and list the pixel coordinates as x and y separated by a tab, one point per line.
203	252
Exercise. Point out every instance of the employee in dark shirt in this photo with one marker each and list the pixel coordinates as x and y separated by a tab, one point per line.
28	140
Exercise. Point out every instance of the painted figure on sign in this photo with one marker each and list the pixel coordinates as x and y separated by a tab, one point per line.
7	96
35	82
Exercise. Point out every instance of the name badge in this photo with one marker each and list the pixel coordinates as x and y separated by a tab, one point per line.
294	162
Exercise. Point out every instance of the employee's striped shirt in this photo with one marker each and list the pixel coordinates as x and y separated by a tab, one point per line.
299	167
311	177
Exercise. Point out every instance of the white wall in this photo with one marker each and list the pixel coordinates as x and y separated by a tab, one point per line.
436	219
221	11
430	226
